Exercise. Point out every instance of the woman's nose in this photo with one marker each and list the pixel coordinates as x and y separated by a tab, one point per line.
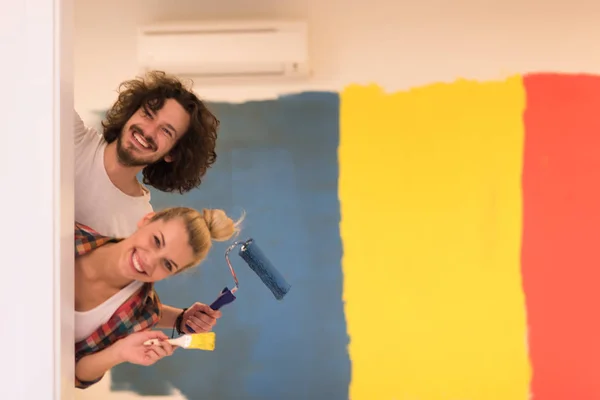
152	262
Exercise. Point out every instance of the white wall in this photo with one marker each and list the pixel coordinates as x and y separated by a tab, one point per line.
397	44
36	172
393	43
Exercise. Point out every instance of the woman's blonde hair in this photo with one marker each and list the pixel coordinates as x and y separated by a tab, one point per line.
202	228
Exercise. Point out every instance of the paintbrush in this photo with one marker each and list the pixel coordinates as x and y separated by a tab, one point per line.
197	341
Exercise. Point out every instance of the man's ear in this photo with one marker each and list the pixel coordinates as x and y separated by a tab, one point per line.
168	158
145	219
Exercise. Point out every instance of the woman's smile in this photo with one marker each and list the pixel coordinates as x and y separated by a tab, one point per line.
137	264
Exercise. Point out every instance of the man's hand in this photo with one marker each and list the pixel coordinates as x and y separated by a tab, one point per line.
133	350
199	318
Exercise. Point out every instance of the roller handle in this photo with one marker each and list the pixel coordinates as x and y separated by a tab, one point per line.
225	297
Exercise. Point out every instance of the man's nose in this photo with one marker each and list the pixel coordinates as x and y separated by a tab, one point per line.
154	129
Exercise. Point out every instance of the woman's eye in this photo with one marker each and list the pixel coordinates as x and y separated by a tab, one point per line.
156	241
168	266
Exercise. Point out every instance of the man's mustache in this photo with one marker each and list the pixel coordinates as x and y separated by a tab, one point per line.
140	132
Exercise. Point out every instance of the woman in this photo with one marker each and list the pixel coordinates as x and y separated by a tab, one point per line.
115	301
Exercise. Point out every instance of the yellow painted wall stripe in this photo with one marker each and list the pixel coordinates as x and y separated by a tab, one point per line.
431	227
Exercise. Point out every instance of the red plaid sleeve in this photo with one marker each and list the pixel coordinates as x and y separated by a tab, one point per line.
139	313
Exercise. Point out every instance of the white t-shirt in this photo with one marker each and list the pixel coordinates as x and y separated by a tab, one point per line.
99	204
87	322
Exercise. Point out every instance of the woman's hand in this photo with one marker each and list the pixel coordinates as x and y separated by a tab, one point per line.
199	318
91	368
133	350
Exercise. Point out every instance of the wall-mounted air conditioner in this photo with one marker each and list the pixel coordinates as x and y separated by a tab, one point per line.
226	49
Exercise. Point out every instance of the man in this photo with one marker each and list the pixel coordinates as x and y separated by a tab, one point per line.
158	127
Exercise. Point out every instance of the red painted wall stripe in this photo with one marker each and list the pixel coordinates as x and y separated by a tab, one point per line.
561	234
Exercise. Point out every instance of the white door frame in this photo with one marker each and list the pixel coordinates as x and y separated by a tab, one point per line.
36	199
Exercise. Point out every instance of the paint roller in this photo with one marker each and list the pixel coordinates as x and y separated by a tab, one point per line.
261	265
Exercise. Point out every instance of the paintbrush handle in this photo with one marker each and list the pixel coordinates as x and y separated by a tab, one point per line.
224	298
177	341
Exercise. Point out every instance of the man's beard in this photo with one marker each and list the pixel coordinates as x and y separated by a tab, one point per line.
126	156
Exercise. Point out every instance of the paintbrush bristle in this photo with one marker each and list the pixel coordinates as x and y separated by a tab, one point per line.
202	341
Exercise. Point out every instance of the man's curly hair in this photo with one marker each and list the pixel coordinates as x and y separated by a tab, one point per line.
193	153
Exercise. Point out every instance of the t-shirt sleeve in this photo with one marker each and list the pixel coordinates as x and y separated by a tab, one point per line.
81	131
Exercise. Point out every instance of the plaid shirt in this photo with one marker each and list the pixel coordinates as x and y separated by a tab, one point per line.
140	312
